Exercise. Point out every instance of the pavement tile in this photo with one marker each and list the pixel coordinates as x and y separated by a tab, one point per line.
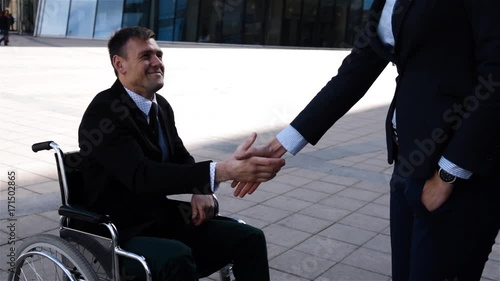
365	222
276	187
348	273
324	187
7	256
306	173
282	276
284	236
232	204
32	224
304	223
45	187
51	215
383	200
4	237
340	180
381	243
4	275
39	168
492	270
348	234
259	196
325	212
287	203
326	248
370	260
20	193
375	210
370	186
301	264
265	213
367	167
307	195
359	194
343	202
274	250
292	179
495	252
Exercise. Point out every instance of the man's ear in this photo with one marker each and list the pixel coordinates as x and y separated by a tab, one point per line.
119	65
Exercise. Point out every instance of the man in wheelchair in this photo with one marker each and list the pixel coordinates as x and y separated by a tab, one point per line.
134	158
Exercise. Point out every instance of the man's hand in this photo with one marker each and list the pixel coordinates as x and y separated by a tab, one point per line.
274	149
244	167
435	192
202	207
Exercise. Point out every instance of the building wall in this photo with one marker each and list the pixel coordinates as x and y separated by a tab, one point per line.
304	23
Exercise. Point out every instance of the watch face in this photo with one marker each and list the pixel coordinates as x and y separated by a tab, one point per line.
446	177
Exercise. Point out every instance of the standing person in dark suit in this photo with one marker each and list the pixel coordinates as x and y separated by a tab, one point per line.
443	131
133	158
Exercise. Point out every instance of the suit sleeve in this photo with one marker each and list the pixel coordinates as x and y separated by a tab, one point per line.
355	76
477	138
115	148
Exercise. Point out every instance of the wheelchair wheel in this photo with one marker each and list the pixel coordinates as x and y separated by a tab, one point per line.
48	257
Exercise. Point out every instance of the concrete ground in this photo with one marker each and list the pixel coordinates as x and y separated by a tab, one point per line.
326	214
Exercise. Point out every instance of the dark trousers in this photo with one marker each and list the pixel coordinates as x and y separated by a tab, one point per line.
450	243
187	252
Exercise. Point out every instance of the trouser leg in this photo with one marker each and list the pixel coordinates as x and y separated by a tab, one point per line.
401	220
169	260
218	242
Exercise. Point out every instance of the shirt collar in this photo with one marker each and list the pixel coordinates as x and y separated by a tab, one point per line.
142	103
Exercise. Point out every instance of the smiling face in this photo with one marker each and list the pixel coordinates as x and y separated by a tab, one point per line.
141	68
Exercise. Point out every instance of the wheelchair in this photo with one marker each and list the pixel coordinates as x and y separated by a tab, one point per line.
76	254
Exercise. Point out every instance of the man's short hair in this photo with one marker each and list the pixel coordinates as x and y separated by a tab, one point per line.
121	37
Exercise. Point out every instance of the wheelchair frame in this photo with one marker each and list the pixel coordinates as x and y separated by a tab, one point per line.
67	233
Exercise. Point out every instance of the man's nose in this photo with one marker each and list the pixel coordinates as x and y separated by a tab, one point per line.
155	60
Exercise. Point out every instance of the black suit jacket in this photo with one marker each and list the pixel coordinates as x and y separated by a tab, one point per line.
447	98
124	176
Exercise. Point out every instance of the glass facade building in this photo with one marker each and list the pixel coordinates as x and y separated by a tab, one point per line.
303	23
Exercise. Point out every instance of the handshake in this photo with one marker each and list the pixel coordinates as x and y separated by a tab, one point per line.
251	165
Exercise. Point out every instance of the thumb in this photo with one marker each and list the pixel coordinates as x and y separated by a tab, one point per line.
241	151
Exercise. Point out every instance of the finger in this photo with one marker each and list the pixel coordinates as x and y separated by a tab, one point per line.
253	188
248	143
238	189
246	189
234	183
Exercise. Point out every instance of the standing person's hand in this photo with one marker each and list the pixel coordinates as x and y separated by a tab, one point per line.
274	149
436	192
249	169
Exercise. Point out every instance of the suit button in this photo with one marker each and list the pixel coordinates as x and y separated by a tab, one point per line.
489	157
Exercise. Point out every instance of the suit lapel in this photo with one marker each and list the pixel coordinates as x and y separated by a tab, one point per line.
164	125
136	119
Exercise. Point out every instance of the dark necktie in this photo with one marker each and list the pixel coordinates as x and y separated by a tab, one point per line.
153	121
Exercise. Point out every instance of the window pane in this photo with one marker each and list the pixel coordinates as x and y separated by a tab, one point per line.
109	18
233	14
136	13
166	10
81	18
274	18
54	18
290	31
309	34
191	22
254	21
210	29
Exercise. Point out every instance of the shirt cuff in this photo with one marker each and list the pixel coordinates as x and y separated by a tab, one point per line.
291	140
453	169
213	185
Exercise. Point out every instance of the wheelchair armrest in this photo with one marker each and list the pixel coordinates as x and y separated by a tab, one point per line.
83	215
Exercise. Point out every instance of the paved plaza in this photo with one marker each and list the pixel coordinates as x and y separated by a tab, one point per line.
326	214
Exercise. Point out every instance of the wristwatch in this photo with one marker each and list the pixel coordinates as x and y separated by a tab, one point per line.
446	177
